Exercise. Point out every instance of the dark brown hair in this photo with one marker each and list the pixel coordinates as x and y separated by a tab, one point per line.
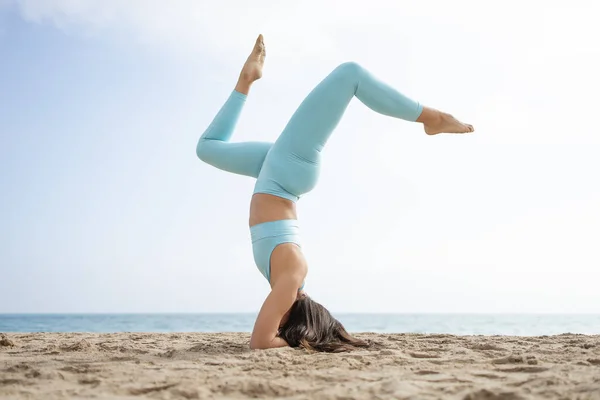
311	326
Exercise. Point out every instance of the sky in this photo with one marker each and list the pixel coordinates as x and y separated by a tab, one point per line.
105	207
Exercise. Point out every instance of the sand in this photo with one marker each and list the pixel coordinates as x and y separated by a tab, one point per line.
220	366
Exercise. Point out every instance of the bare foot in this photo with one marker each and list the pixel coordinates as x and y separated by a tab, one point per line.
435	122
252	69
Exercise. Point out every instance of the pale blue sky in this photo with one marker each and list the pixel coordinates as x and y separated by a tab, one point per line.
105	207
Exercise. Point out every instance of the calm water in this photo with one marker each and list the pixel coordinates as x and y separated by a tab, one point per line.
460	324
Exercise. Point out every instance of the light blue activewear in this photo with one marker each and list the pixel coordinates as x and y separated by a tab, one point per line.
290	167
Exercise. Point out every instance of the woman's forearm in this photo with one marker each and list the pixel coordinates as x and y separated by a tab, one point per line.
272	344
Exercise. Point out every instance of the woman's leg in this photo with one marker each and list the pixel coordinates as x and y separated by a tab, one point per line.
214	147
313	122
292	167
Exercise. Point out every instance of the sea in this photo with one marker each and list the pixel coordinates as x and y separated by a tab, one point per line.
457	324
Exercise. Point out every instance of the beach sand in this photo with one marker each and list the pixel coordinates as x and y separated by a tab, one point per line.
220	366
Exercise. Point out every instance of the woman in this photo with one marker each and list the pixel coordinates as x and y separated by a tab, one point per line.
287	169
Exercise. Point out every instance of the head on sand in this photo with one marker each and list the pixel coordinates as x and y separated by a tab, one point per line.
311	326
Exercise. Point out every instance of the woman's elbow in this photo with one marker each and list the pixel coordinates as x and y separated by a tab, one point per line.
257	345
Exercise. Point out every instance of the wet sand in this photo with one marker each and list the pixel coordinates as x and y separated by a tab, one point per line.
220	366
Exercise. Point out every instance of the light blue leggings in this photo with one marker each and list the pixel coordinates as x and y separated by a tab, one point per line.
290	167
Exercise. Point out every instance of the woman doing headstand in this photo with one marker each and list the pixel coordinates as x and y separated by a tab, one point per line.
286	170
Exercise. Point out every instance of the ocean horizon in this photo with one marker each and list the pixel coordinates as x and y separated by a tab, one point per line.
449	323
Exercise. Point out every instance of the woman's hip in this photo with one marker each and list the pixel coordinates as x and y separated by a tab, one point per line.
288	175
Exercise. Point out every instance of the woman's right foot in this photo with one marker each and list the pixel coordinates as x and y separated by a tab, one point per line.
252	69
435	122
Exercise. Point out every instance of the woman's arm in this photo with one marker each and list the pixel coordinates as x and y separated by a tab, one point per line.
278	302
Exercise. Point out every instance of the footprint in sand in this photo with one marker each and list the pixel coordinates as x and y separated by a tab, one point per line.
5	341
80	369
531	370
488	376
485	394
485	346
516	359
82	345
423	355
426	372
93	382
11	382
33	373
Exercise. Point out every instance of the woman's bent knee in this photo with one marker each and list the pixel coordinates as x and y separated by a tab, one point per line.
202	150
350	73
350	68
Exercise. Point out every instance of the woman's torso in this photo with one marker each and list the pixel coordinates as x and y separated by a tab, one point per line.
287	256
266	208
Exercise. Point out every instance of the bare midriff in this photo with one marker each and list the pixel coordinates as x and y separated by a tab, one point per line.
266	208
